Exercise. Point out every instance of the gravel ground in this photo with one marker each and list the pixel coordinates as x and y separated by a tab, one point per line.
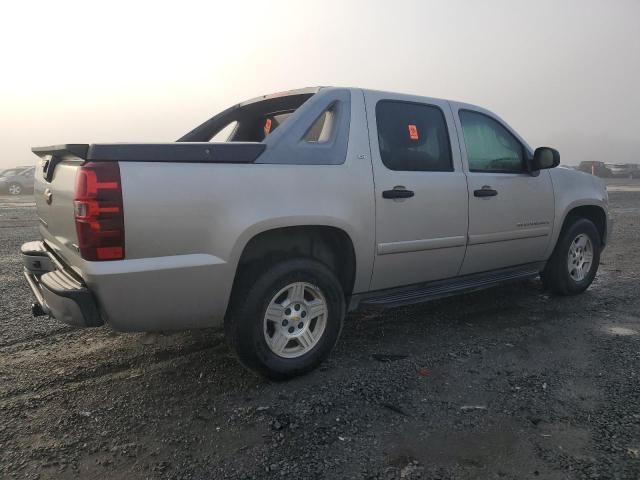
506	383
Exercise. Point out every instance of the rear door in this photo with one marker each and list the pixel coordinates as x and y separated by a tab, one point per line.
420	190
511	211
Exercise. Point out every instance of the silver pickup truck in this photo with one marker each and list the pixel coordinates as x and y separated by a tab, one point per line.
278	215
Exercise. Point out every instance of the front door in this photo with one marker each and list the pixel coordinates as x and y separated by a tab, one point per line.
420	190
511	211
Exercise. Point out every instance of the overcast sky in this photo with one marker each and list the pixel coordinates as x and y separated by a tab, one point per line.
562	73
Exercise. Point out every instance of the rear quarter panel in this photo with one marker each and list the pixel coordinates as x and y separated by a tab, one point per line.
186	226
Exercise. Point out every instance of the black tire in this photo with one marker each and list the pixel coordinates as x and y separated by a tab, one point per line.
253	292
555	276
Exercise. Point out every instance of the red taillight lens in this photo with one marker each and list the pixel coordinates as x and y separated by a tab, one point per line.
98	211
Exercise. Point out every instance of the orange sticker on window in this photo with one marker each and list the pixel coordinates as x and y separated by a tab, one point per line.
413	132
267	127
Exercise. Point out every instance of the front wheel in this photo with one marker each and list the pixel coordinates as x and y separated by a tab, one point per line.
285	321
574	262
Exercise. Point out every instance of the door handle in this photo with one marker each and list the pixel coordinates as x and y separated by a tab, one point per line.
485	191
398	192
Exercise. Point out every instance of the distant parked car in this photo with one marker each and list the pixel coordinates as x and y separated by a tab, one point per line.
17	181
599	169
624	170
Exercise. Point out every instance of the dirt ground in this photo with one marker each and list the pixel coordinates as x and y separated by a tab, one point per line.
506	383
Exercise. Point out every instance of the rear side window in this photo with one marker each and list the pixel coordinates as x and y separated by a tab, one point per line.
322	128
413	137
225	134
490	146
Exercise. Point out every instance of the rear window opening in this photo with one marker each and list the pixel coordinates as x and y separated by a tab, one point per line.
273	121
322	128
251	121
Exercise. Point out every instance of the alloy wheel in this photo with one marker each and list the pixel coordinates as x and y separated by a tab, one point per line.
295	320
580	257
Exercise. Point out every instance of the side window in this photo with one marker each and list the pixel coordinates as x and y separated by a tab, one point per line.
413	137
490	146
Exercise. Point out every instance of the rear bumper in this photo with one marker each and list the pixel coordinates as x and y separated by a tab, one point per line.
57	292
150	294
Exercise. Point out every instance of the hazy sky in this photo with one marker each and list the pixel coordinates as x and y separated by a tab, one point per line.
562	73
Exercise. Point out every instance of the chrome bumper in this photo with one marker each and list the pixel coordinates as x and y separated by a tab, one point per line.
56	291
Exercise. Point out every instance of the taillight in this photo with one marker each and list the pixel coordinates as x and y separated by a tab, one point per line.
98	211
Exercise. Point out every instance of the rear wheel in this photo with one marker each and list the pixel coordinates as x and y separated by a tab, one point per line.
15	189
574	262
285	320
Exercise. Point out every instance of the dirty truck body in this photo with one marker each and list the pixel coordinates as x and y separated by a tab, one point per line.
327	197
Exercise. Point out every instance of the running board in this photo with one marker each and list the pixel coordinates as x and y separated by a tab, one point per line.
444	288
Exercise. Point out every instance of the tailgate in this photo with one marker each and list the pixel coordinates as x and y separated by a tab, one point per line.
54	186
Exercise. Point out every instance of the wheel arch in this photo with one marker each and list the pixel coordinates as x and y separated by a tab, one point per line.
330	244
594	213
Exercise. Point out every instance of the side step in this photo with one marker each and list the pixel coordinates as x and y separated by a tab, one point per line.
444	288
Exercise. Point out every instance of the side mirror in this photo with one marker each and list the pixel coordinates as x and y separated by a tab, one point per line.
543	158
